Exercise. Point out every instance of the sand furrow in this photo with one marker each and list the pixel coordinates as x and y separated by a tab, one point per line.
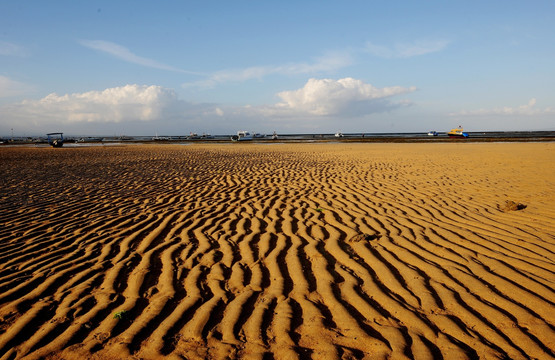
291	251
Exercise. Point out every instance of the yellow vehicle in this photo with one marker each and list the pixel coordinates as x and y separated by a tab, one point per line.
457	133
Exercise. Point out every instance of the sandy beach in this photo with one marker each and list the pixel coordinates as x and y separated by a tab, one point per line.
278	251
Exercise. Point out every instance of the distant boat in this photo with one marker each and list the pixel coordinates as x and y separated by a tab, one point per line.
457	133
242	136
90	139
193	136
206	136
160	138
339	134
433	133
56	139
274	136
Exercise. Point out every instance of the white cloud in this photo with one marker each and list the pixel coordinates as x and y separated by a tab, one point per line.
527	109
406	50
347	96
142	110
328	62
129	109
10	49
126	103
9	87
125	54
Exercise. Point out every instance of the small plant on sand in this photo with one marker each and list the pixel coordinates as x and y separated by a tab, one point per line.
319	209
120	314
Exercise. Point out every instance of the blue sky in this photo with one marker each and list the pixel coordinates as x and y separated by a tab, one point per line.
174	67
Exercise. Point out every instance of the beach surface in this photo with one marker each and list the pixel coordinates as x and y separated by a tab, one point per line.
278	251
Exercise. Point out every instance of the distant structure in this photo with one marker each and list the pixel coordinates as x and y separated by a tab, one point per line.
56	139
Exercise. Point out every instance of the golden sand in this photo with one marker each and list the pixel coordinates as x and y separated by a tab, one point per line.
285	251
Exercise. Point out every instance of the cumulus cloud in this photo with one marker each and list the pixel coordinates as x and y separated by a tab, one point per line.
126	103
528	109
125	54
143	109
406	50
130	109
9	87
348	95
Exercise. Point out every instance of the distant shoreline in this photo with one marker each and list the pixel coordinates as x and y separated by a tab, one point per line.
492	136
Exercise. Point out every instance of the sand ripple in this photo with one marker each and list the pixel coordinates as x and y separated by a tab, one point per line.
321	251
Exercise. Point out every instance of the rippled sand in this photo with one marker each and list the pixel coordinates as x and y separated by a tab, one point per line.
285	251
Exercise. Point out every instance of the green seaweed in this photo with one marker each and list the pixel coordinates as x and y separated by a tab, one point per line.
120	314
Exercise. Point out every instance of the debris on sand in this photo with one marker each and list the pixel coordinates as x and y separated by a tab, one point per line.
365	237
511	206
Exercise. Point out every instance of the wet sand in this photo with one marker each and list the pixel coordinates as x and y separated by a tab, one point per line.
284	251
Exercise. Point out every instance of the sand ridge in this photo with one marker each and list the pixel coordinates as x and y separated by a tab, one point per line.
308	251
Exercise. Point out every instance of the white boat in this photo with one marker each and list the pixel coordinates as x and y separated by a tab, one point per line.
339	134
193	136
160	138
206	136
433	133
242	136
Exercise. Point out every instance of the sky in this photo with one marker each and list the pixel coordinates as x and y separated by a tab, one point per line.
103	68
